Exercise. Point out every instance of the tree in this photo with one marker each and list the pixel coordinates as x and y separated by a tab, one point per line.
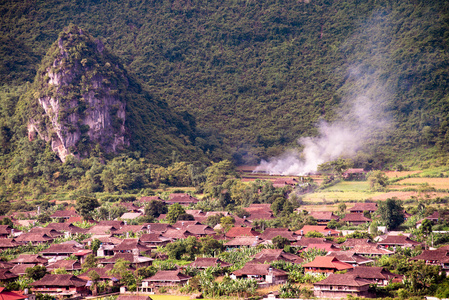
90	262
174	211
86	205
279	242
315	234
378	181
391	213
95	245
217	174
36	272
156	208
43	218
426	227
342	208
94	277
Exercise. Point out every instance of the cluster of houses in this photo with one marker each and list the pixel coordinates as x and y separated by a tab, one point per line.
353	256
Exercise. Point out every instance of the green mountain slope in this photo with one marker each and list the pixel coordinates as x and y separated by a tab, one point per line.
257	75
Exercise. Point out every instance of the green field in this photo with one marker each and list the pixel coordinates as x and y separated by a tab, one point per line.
343	191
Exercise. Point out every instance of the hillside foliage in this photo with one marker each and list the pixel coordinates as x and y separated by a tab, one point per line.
251	76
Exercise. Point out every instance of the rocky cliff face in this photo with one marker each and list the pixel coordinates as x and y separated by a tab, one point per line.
79	91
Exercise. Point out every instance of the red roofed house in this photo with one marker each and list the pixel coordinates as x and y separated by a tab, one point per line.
376	275
181	198
241	231
11	295
271	233
323	217
164	278
398	241
361	207
325	264
206	262
261	273
61	285
5	231
340	286
354	174
355	219
64	214
318	228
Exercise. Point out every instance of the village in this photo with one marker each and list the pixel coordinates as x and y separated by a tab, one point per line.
174	245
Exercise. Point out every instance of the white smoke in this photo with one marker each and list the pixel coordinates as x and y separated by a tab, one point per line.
362	116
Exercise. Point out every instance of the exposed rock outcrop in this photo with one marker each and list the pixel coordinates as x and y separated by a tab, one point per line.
79	92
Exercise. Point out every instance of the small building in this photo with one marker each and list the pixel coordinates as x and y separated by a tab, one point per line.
241	231
206	262
181	198
359	208
326	265
263	273
340	286
356	219
375	275
398	241
61	285
164	278
323	217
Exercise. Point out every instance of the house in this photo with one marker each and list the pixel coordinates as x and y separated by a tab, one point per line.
371	250
133	229
284	181
206	262
131	246
184	224
148	199
70	265
21	270
158	227
61	285
104	275
34	238
60	251
130	207
259	211
317	228
439	257
351	243
131	215
241	231
12	295
325	264
7	276
64	214
102	230
354	174
355	219
306	241
271	233
340	286
325	247
398	241
5	231
350	257
6	243
113	223
262	273
181	198
164	278
270	255
67	227
243	241
135	260
359	208
29	259
323	217
48	231
375	275
177	234
153	240
200	230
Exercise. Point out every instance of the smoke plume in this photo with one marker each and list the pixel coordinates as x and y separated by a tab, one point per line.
362	115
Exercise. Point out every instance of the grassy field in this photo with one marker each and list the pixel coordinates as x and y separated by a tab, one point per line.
438	183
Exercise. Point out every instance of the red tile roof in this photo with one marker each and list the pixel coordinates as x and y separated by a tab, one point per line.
328	262
343	280
241	231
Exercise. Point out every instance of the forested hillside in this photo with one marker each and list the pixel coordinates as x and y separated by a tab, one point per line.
256	75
